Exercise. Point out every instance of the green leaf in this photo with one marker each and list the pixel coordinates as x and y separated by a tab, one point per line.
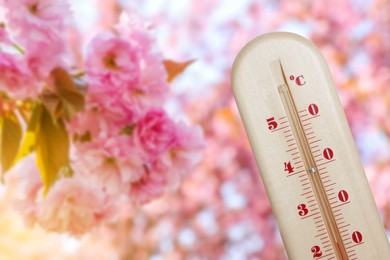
52	148
72	99
86	137
66	172
11	135
174	68
29	139
64	98
52	103
19	48
128	130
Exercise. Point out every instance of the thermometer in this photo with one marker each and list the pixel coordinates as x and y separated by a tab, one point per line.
305	152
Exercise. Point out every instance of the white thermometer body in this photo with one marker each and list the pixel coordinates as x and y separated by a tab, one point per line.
305	152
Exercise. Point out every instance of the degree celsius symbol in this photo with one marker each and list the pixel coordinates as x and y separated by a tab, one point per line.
299	80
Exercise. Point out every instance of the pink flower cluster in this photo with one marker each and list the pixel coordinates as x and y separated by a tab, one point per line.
125	148
72	205
35	28
127	143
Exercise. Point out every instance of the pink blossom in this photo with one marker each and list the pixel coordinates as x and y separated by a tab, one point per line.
96	166
155	133
95	161
38	26
112	64
190	138
183	156
25	175
188	151
34	16
103	148
34	22
152	89
73	206
16	78
4	36
174	150
150	186
41	63
102	117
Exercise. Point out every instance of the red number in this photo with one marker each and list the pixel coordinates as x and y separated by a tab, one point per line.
313	109
343	196
328	154
288	168
302	210
272	123
357	237
316	250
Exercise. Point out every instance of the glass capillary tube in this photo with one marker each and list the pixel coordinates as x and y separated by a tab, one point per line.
311	168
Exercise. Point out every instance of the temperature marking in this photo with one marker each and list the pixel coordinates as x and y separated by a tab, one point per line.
288	167
340	205
357	237
313	109
316	250
307	119
325	162
343	196
272	124
305	147
315	141
292	149
302	210
328	154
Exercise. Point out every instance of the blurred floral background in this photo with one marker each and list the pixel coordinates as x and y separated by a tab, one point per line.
220	211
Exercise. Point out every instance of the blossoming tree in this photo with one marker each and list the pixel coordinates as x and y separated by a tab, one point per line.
98	131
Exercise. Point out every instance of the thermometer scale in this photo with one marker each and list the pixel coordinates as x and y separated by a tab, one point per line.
304	149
